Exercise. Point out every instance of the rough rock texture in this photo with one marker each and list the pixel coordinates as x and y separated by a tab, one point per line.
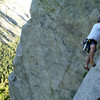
90	88
48	63
13	15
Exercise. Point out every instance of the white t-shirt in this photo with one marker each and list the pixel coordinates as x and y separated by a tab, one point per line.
95	32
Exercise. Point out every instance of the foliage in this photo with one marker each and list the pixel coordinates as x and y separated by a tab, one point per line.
7	54
85	74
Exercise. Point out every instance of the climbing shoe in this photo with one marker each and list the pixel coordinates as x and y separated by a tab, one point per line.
92	63
87	68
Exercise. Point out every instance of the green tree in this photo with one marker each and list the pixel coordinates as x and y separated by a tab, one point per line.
7	54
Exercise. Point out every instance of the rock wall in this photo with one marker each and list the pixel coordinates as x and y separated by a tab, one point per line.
49	63
90	87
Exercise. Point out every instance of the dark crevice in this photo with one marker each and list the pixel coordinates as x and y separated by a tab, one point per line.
7	31
13	11
26	15
66	70
63	42
9	19
22	18
5	37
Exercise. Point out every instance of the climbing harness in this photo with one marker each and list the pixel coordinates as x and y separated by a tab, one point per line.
86	45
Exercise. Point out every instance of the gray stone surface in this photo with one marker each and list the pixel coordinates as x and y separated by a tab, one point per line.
90	87
49	63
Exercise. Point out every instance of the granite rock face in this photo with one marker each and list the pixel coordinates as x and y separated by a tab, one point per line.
90	87
49	63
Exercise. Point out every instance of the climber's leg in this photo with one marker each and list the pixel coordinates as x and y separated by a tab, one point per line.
87	62
91	53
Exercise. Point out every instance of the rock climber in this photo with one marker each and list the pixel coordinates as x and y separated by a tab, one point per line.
92	38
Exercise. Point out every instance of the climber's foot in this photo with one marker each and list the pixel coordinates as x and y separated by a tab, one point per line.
87	68
92	63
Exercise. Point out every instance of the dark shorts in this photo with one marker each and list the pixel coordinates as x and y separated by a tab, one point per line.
91	41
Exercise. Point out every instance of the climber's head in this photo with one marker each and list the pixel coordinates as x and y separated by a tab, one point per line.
99	20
